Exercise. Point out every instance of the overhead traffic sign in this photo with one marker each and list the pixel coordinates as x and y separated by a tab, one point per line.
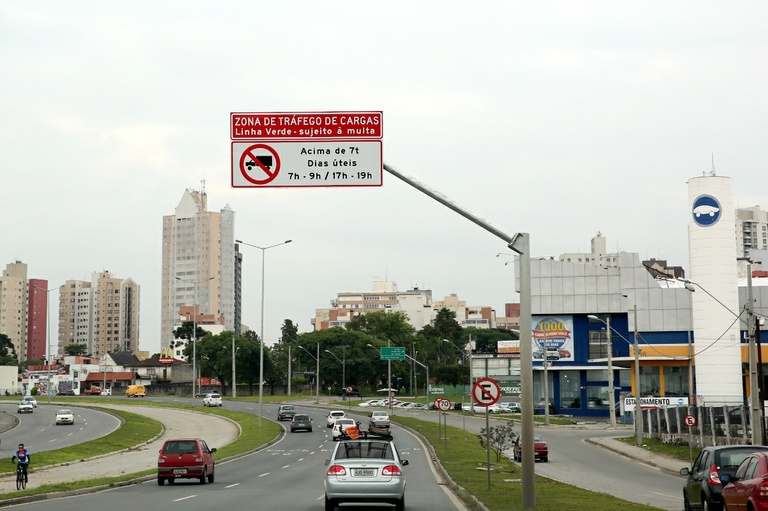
486	391
305	125
307	164
392	353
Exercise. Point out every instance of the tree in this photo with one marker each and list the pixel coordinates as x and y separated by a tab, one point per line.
74	350
186	329
8	356
485	339
500	438
289	332
387	326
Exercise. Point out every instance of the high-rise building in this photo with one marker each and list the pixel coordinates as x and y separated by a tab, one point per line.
751	230
37	319
14	302
199	259
103	314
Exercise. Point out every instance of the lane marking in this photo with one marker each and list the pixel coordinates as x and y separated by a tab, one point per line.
185	498
264	474
232	485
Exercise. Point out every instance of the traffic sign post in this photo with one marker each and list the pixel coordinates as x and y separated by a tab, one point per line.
443	405
486	392
392	353
690	421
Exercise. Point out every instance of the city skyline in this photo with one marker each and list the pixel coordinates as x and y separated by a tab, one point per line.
556	119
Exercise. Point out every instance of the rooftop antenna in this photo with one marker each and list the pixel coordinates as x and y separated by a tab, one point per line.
202	186
712	173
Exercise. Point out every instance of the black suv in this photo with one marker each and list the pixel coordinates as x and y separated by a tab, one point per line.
703	488
285	412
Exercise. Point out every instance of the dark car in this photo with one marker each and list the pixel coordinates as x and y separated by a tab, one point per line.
703	486
540	449
185	458
66	393
301	422
747	488
285	412
202	393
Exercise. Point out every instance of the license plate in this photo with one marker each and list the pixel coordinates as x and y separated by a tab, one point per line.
179	470
363	472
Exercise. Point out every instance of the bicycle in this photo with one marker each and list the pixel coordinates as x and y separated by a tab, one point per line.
21	476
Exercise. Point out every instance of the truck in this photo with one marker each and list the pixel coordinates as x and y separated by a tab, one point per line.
93	391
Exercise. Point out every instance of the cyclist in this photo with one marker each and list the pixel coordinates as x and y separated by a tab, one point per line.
23	456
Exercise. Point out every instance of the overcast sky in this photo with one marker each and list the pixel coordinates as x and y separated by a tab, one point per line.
560	119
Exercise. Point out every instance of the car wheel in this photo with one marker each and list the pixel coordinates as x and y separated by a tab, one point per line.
545	459
708	505
160	481
330	505
212	476
171	480
203	476
686	504
400	504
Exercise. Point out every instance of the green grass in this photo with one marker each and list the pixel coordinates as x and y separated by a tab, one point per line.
654	445
137	429
465	460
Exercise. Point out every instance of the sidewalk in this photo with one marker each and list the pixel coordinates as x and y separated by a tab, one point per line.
640	455
216	431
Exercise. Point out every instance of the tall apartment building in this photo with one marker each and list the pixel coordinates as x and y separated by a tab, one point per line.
199	263
38	329
103	314
751	230
14	306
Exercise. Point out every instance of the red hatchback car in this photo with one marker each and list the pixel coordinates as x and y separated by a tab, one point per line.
185	458
747	489
540	449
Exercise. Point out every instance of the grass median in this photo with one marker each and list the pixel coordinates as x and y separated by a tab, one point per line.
464	460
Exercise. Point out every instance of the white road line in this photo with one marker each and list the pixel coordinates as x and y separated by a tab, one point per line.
285	466
264	474
185	498
232	485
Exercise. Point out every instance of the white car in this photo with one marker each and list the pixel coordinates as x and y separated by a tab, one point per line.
106	392
31	400
25	407
370	402
380	419
65	416
212	400
334	415
339	426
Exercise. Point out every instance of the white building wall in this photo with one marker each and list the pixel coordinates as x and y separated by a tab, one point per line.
713	256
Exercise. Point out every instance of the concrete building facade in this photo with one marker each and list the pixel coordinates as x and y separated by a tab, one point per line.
198	263
103	314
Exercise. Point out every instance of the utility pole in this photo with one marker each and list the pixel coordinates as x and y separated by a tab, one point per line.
754	404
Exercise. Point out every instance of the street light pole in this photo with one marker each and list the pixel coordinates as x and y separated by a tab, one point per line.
261	334
234	367
638	408
317	370
194	332
611	392
426	368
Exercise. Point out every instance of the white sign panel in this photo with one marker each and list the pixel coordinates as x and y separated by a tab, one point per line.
267	164
655	402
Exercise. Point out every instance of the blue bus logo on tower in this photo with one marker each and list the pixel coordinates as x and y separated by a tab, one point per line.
706	210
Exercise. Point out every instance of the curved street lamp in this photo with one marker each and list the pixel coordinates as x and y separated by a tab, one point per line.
261	334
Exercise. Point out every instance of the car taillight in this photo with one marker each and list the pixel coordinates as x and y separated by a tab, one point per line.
714	477
762	492
391	470
336	470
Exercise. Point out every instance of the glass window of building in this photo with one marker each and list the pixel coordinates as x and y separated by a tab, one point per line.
570	390
676	381
598	344
650	382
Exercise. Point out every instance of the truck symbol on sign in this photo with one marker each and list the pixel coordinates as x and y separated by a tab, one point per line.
265	160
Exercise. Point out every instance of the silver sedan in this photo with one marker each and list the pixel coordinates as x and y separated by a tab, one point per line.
365	471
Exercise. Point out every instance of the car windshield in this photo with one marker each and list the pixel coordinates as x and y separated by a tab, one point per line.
287	408
65	412
371	450
345	422
379	414
299	418
214	396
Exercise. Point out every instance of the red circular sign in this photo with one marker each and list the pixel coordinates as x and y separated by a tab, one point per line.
486	391
443	404
690	420
258	160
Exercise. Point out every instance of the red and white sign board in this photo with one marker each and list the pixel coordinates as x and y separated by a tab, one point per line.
306	164
306	149
486	391
305	125
443	404
690	420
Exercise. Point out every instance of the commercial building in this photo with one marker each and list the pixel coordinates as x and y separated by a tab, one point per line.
23	311
199	263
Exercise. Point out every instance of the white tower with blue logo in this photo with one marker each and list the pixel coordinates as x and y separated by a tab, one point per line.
713	253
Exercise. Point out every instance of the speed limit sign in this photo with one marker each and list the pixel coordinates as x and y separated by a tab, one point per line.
690	420
443	404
